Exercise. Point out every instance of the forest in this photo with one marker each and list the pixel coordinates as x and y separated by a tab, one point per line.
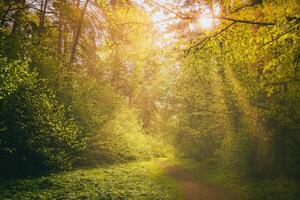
150	99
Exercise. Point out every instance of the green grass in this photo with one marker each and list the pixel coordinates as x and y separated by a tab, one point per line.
136	181
141	181
282	188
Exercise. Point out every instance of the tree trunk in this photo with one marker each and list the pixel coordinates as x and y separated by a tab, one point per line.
43	10
60	28
77	33
16	24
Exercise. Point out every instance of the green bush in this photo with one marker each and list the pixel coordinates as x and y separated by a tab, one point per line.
35	134
121	138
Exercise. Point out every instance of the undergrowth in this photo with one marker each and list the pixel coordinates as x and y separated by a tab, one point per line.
136	181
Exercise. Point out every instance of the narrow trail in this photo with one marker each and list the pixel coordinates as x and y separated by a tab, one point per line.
193	188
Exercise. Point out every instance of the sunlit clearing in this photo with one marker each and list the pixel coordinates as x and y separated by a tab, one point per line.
206	22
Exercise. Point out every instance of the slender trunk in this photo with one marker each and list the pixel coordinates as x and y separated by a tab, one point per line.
16	24
77	33
43	10
60	28
66	38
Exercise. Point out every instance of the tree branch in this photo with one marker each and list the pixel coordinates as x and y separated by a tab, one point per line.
182	16
247	21
214	35
255	3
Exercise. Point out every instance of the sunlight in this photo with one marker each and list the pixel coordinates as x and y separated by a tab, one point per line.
206	22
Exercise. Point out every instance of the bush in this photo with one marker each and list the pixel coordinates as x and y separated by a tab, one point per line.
122	138
35	134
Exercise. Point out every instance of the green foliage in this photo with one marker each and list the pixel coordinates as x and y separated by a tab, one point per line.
13	74
35	133
270	190
69	94
87	83
238	91
136	181
122	138
236	154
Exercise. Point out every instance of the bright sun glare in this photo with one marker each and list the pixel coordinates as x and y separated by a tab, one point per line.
206	22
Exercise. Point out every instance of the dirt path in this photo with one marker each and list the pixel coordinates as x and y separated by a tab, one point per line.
194	189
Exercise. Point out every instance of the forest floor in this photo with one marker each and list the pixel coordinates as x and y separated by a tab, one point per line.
203	181
129	181
193	188
158	179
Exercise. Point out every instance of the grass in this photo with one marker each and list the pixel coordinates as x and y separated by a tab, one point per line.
281	188
136	181
141	181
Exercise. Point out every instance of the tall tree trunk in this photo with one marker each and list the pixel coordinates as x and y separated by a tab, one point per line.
43	10
60	28
77	33
16	24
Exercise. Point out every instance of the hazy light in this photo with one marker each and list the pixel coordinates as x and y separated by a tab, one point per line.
206	22
217	10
